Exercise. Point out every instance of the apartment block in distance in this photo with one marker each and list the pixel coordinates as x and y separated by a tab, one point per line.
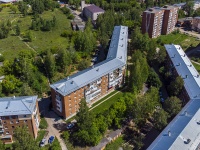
92	12
152	20
18	112
95	82
196	24
169	19
157	21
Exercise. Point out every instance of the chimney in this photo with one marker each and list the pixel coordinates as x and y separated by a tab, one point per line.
82	4
169	133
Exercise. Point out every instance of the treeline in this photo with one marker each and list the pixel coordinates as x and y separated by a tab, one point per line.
37	6
38	23
67	12
23	76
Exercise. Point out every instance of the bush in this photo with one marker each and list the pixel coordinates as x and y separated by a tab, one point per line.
43	123
1	58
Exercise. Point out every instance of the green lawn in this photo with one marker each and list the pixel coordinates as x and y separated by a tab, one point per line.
105	105
184	40
196	66
115	144
40	136
42	40
104	98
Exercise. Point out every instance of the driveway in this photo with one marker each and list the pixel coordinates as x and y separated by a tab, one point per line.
54	128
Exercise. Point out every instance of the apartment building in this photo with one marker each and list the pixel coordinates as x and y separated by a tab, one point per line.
92	12
169	19
196	24
183	131
95	82
18	112
152	22
157	21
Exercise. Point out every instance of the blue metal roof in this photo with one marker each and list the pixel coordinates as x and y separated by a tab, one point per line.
17	105
116	58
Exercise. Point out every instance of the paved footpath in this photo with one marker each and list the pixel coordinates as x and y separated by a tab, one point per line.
53	131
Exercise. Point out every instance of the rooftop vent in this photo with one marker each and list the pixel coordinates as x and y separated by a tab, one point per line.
72	82
120	57
185	113
122	38
97	69
169	133
8	105
198	122
93	66
187	142
186	76
190	65
67	78
197	75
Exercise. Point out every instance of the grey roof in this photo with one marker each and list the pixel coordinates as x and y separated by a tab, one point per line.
186	124
179	4
116	58
153	10
17	105
185	69
94	9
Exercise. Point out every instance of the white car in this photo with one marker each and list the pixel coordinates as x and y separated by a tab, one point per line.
42	143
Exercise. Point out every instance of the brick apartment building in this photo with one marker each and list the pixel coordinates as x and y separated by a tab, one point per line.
16	112
157	21
94	82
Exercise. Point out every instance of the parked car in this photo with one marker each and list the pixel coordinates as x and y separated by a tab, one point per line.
42	143
51	139
70	126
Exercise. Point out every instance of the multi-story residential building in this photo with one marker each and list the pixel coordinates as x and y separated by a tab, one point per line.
183	131
169	19
157	21
152	22
16	112
92	12
94	82
196	24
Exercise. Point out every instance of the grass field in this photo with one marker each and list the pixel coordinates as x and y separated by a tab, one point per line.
181	39
105	105
10	46
115	144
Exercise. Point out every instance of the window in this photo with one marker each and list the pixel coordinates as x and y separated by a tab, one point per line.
24	116
13	127
7	132
4	122
6	127
11	122
17	121
25	121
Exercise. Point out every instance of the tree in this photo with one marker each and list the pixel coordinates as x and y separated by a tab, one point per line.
197	12
173	105
17	30
176	86
63	59
50	64
181	13
83	64
189	8
2	146
10	84
149	3
55	145
160	119
29	36
153	79
13	8
23	140
139	71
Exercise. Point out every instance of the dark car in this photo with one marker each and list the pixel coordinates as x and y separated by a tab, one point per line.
70	126
51	139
